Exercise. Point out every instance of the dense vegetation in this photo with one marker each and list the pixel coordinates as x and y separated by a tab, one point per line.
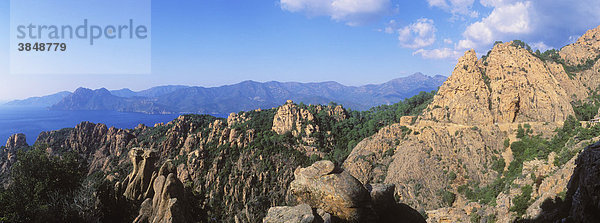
43	188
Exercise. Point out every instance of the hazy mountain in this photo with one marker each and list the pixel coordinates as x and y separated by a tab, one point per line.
247	95
152	92
125	92
44	101
102	99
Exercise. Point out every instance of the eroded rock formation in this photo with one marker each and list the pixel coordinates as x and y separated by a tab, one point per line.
167	204
16	141
139	182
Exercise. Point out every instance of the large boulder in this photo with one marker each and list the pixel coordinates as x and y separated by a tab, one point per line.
332	190
302	213
336	196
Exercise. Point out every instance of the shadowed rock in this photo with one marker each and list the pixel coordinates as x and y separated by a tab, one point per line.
584	187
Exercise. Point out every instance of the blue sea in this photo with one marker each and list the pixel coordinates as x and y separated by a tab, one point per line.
32	121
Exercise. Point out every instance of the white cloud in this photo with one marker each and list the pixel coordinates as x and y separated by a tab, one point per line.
448	41
391	27
541	46
505	20
417	35
573	39
545	24
456	7
351	12
443	53
495	3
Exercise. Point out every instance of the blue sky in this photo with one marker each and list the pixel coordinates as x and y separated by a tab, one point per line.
354	42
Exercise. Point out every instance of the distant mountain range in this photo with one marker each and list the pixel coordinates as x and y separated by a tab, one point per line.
44	101
247	95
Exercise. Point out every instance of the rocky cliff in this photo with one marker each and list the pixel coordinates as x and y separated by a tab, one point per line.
471	123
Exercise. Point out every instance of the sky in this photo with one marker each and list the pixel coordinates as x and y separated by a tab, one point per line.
354	42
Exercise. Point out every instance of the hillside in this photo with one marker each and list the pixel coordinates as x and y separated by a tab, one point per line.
248	95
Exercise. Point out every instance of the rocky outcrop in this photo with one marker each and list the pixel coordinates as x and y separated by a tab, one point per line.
584	53
291	118
8	154
302	213
581	203
139	182
17	141
458	100
168	204
587	47
510	85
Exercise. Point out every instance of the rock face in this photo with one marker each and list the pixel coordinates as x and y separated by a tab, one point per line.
139	182
583	195
336	192
167	204
302	213
16	141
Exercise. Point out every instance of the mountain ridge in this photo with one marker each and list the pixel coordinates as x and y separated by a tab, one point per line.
247	95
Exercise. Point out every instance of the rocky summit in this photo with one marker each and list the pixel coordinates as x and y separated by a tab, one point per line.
510	136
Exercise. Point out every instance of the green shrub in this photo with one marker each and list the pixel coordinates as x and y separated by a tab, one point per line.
447	197
506	143
522	201
43	188
451	176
